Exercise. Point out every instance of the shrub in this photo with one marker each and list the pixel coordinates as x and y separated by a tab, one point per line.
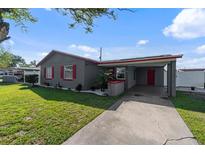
46	83
78	87
93	88
31	79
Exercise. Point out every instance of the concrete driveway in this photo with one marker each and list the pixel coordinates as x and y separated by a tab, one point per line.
137	118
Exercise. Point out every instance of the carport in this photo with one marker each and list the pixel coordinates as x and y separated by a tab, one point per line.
145	71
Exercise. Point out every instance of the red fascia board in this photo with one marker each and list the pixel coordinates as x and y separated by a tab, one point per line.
141	60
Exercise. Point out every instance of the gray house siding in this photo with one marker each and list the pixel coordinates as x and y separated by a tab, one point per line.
141	76
57	60
91	72
131	80
159	76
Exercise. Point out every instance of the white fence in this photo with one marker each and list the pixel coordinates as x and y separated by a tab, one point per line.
190	78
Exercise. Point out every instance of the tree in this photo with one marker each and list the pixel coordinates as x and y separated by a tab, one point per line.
80	16
5	58
85	16
31	79
17	61
8	59
19	16
33	63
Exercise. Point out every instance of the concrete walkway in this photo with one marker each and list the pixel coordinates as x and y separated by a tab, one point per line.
137	118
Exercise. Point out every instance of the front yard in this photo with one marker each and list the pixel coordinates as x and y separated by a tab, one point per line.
45	116
192	110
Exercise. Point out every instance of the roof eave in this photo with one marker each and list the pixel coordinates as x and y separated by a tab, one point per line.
138	61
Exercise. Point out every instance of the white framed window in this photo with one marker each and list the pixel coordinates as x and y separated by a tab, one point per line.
68	72
120	73
49	72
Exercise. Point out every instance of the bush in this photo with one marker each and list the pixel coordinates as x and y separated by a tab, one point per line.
31	79
93	88
102	79
46	84
78	87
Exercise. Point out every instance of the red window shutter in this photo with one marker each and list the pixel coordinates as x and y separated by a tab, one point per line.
52	72
45	72
74	72
62	72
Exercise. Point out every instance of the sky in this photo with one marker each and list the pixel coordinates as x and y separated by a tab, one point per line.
144	32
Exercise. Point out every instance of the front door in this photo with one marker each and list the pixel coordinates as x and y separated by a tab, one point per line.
150	77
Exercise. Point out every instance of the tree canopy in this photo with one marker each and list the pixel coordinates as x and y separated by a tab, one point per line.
5	58
18	16
80	16
86	16
8	59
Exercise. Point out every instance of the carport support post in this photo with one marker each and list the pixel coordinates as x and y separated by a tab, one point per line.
171	78
126	78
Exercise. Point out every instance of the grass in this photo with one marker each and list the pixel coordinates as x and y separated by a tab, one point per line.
45	116
192	110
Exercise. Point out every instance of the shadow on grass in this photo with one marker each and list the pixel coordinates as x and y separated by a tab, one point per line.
187	102
73	97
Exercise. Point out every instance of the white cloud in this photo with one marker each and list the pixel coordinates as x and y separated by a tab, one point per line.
201	49
8	43
11	42
48	9
44	53
191	63
142	42
87	55
84	48
188	24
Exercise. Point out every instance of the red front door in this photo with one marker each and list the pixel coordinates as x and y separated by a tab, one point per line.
150	77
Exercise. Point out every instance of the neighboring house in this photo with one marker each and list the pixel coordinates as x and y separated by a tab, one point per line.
191	77
67	70
20	72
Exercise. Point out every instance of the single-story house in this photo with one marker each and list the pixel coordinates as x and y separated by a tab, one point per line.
68	70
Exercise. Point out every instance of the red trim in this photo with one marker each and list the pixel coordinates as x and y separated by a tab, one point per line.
62	72
74	71
52	72
140	60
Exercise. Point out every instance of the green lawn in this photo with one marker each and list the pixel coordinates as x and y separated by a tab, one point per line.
45	116
192	110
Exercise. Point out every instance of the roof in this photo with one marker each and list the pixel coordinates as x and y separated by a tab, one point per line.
119	61
66	54
27	68
160	58
192	69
